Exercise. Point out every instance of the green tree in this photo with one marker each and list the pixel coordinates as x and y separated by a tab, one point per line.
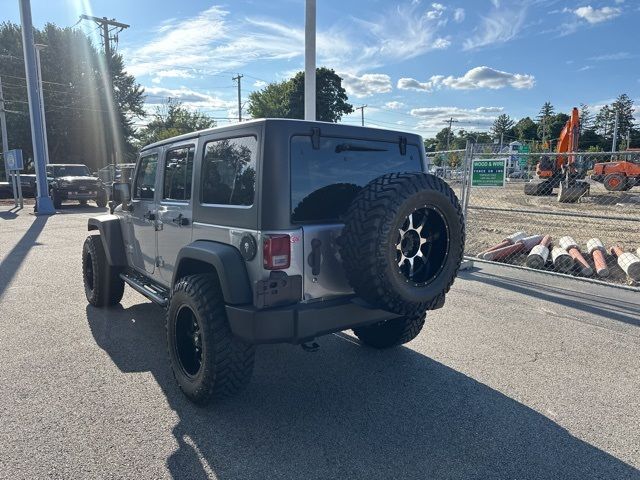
526	129
171	119
624	109
604	122
544	121
82	118
286	99
503	125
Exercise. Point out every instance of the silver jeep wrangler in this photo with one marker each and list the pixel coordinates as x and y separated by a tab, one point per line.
276	231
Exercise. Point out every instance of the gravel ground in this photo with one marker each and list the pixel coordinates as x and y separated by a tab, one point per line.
518	376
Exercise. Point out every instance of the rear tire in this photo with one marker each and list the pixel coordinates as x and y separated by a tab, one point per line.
207	360
102	283
615	182
391	333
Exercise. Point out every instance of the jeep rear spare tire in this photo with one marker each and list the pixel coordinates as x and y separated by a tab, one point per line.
403	242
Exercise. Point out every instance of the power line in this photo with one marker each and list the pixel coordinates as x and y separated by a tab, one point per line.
361	108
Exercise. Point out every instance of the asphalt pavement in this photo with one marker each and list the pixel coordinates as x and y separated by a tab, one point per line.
519	376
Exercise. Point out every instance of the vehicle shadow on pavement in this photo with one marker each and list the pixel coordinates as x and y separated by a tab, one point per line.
348	411
619	310
11	262
72	208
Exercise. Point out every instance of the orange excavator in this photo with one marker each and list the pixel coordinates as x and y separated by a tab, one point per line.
561	170
618	176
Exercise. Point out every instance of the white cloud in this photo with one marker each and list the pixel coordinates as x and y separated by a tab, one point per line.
394	105
367	84
476	78
213	41
433	119
259	84
597	15
458	15
500	26
613	56
190	98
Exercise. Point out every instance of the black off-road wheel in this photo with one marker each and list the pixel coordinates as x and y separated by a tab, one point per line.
207	360
403	242
102	283
55	198
102	199
391	333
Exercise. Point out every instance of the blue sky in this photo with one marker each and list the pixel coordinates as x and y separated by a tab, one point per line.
413	63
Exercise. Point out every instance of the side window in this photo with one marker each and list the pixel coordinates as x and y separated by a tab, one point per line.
145	185
178	172
229	171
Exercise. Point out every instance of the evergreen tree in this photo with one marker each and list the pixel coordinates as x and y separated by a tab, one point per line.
544	121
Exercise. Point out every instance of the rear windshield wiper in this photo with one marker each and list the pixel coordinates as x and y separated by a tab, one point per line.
348	147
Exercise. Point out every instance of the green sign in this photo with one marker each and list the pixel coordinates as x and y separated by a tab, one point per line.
488	173
523	160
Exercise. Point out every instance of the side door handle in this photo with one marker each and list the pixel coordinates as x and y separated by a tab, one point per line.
151	216
180	220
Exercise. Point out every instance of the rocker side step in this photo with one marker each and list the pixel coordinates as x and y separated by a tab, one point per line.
141	284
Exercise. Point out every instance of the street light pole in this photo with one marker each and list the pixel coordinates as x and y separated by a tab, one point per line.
44	205
39	47
310	61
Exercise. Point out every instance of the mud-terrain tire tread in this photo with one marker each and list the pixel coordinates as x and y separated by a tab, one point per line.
391	333
228	361
108	287
365	225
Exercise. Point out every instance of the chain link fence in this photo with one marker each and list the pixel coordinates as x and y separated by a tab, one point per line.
574	214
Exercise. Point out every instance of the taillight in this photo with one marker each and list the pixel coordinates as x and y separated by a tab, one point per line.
276	252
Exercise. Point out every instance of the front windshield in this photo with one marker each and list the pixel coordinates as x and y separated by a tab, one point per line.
71	171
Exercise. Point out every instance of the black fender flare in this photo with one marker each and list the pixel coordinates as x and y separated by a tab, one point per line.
228	263
111	235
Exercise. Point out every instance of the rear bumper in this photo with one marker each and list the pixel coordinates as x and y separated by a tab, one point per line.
301	322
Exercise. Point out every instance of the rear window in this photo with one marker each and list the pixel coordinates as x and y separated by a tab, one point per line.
325	181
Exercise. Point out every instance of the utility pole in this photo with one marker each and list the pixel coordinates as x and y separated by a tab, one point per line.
361	108
3	127
107	26
39	47
615	133
310	61
110	29
238	78
450	122
44	205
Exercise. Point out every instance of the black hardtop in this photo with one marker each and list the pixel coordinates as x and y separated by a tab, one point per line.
300	127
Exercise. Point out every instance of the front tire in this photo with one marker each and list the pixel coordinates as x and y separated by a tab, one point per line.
55	198
207	360
102	284
391	333
615	182
102	199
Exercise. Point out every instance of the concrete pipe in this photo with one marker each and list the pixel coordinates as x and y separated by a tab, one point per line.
628	262
510	240
570	245
562	261
596	249
539	254
522	245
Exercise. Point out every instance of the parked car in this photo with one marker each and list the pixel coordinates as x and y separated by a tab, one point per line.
74	182
277	231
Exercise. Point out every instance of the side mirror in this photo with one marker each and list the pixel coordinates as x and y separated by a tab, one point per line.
121	194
